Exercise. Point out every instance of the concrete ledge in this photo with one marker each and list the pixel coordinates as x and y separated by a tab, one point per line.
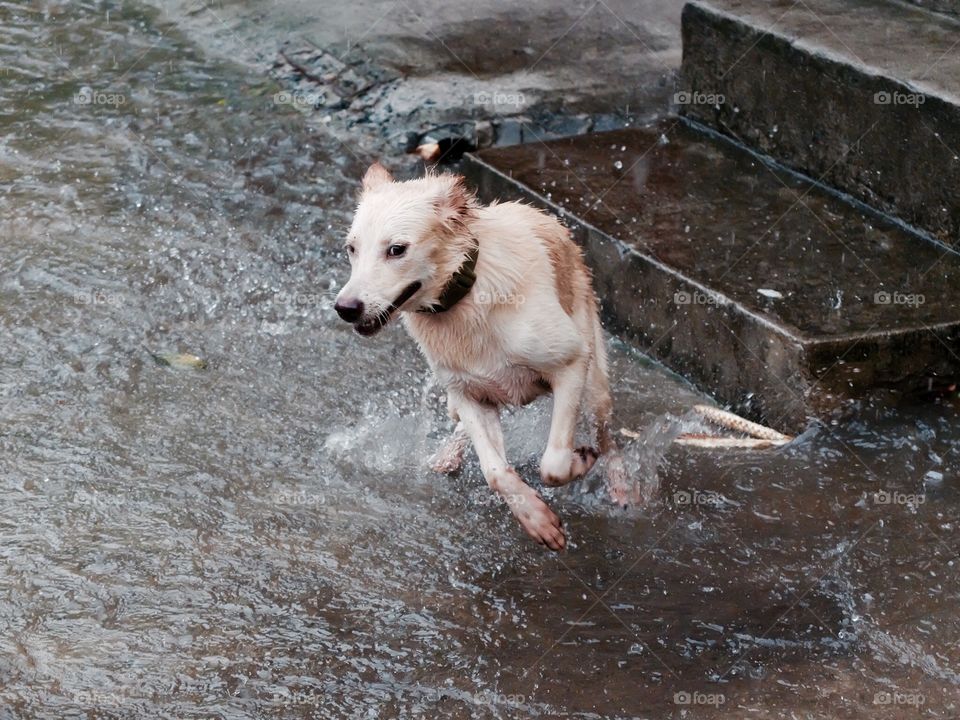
683	233
951	7
861	94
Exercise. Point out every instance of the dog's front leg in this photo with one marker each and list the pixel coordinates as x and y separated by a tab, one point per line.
561	463
449	457
482	423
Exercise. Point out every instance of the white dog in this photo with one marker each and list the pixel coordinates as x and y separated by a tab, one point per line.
500	301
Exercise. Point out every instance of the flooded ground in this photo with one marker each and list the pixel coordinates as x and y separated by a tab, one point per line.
260	539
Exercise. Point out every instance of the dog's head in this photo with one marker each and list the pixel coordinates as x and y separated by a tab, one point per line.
406	242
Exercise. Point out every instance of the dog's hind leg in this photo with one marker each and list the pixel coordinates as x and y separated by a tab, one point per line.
598	400
449	458
482	423
621	488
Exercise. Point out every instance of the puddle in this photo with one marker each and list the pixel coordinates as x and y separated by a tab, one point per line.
261	539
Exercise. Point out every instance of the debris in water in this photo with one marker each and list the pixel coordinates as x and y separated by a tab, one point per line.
428	152
766	292
760	437
446	150
735	422
836	302
180	360
716	441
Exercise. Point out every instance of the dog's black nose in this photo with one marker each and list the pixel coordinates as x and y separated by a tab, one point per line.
349	310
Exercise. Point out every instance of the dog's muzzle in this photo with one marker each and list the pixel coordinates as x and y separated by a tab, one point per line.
374	324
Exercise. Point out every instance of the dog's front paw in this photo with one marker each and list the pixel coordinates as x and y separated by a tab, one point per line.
537	519
540	522
561	466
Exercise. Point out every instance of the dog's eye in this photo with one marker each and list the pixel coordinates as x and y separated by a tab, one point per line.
350	249
396	250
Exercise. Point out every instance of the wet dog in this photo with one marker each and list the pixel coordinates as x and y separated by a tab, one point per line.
500	301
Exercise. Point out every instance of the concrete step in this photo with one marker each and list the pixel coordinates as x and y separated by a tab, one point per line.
763	288
863	95
951	7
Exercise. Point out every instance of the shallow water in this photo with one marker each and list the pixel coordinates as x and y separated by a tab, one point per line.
261	539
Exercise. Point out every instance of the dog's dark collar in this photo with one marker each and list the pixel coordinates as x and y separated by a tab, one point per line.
459	285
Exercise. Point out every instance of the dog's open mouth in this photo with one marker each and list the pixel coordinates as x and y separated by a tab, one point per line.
373	325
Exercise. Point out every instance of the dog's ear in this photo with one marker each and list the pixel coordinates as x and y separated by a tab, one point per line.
454	201
376	176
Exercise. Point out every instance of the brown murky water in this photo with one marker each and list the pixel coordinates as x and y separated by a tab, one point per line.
260	538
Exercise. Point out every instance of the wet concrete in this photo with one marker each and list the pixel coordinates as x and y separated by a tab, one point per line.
260	539
864	96
493	71
769	292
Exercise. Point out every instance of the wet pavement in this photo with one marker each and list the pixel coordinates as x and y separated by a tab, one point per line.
882	80
781	298
716	214
260	539
466	57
